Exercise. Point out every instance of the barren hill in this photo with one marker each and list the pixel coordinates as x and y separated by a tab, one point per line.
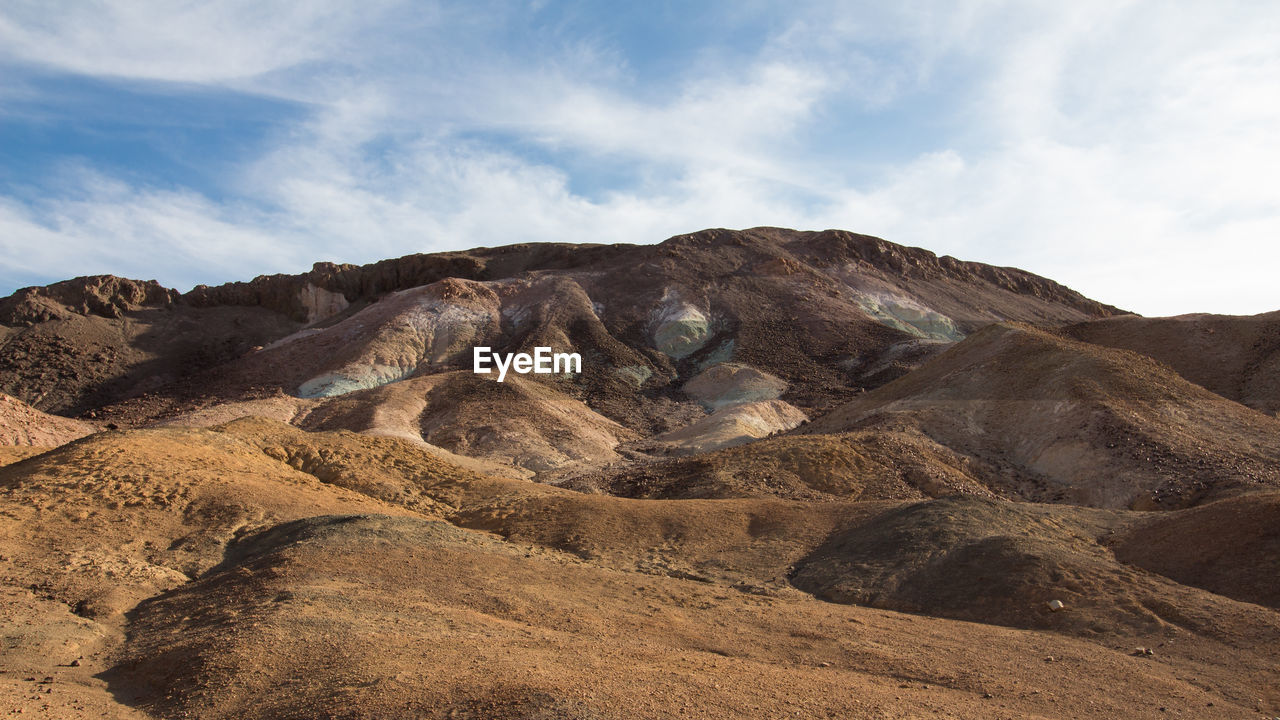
1065	421
1236	357
815	309
802	474
20	424
256	570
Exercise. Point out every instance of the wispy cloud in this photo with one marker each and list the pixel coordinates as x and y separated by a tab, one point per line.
182	41
101	225
1118	147
1127	152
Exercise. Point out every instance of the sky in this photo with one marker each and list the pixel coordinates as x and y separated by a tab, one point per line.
1128	149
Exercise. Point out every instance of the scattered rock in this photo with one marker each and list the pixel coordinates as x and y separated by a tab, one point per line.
1056	605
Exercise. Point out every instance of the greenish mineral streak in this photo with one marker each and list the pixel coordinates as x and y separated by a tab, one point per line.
635	374
917	321
742	395
339	383
680	338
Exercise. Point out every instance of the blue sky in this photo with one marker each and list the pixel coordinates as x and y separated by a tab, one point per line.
1127	149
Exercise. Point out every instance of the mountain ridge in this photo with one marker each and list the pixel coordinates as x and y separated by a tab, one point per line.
109	295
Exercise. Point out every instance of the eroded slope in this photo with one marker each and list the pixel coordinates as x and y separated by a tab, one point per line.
1074	422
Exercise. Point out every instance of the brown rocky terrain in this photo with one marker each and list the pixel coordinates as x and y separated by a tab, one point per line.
802	474
1235	357
1065	421
23	425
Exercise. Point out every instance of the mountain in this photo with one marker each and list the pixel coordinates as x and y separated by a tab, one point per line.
1056	420
820	315
1237	357
800	474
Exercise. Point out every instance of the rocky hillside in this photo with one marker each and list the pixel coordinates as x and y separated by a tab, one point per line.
801	474
1061	421
1236	357
805	320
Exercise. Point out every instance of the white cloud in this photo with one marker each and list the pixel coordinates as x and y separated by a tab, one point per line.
1128	152
726	120
179	40
1122	148
104	226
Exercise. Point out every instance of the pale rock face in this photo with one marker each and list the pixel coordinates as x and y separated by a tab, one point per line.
728	384
909	316
635	374
21	424
680	329
735	425
351	379
517	315
390	340
446	330
321	304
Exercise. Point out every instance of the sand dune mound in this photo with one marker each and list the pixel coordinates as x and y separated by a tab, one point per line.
280	584
93	527
316	616
90	529
993	561
172	496
1235	357
851	466
732	425
279	407
282	627
309	583
21	424
298	622
748	544
1073	422
518	422
384	468
1230	547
